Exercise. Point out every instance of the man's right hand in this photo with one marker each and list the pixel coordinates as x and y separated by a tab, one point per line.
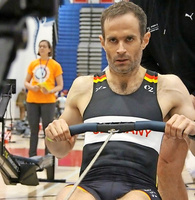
58	131
58	138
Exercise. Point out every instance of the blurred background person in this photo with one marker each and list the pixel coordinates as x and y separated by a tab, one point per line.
61	102
43	80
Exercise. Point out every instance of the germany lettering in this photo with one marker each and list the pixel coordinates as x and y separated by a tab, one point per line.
143	133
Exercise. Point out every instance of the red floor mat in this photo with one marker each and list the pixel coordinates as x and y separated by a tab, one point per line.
73	159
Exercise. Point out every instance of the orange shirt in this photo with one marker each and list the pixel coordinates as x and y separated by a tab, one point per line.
44	71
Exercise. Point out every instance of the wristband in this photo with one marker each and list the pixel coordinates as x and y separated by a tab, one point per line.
49	139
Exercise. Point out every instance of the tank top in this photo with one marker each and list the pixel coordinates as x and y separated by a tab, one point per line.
130	155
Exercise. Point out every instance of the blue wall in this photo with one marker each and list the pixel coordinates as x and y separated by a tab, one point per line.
68	33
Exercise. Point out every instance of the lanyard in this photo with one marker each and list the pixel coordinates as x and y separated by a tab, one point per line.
43	68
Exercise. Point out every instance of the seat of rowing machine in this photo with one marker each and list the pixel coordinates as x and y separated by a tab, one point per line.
17	169
29	167
41	162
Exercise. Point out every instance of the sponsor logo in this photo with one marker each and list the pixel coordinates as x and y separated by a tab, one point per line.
100	88
149	88
41	73
190	16
152	193
153	28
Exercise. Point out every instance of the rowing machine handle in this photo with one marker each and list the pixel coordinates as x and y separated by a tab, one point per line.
120	127
192	137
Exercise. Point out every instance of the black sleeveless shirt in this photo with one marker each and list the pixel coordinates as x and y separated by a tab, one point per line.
130	155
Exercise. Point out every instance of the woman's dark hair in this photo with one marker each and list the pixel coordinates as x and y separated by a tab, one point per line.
49	46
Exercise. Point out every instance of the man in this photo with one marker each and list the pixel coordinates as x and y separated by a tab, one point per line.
126	91
171	50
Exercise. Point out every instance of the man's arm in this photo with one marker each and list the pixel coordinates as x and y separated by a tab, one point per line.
58	138
178	109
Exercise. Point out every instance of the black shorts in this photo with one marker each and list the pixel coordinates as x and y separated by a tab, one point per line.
107	190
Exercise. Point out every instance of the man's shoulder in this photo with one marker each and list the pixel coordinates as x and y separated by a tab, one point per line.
169	77
83	79
83	83
171	83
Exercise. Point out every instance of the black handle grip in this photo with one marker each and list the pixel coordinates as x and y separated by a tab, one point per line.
81	128
119	126
151	125
192	137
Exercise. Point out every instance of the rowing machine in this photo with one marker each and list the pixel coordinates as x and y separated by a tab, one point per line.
16	169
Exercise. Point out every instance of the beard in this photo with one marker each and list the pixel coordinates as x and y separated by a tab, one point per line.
124	68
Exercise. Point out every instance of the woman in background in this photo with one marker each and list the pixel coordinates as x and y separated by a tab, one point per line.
43	80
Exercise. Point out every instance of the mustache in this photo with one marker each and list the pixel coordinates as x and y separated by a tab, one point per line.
122	57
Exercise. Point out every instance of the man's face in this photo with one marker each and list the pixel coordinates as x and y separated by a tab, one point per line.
122	43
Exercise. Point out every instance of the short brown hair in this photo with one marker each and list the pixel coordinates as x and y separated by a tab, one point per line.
121	8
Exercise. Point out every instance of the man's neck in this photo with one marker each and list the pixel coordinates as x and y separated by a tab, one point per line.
125	83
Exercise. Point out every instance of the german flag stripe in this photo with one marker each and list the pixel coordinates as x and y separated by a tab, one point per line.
99	79
151	79
148	77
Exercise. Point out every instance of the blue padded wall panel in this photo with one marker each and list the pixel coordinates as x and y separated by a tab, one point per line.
68	35
68	40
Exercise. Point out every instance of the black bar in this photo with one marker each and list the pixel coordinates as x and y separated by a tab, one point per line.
118	126
3	105
192	137
151	125
82	128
